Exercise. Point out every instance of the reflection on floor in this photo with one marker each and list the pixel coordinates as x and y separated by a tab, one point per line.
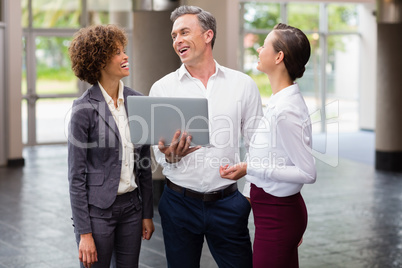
355	217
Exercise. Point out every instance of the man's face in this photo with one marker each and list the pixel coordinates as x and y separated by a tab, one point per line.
189	39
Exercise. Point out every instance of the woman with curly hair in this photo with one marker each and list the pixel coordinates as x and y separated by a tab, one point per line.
109	178
280	160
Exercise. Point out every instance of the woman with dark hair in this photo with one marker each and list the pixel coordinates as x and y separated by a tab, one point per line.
280	160
110	178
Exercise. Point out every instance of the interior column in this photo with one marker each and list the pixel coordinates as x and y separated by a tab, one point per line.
389	86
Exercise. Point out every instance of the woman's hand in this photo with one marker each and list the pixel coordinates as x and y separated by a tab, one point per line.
300	242
148	229
87	250
234	172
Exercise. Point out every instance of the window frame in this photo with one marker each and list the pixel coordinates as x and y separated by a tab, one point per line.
30	34
323	32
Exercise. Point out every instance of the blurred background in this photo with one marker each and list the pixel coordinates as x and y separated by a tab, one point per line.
339	73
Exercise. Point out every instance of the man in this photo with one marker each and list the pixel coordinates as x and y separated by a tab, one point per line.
197	202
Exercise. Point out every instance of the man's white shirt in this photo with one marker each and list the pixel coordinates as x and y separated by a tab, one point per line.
234	108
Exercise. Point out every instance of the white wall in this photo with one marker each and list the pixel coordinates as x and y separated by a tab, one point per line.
368	67
3	151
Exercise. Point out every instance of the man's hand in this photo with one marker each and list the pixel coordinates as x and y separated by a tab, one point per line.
179	147
148	229
234	172
87	250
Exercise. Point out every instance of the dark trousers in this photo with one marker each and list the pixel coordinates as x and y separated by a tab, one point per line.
279	225
186	221
118	229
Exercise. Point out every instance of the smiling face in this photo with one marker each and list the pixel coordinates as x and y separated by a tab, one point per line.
267	54
190	41
117	67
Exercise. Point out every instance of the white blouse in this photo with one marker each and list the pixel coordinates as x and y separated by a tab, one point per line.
280	159
127	176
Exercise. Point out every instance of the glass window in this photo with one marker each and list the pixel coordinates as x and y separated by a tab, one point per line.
341	68
261	15
310	82
53	66
259	19
342	78
304	16
56	13
98	11
51	115
342	17
331	75
251	43
25	13
1	10
49	26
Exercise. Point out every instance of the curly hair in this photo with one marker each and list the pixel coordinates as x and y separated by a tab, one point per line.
92	48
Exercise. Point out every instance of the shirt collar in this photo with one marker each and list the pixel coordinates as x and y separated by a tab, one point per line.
121	89
108	99
284	93
183	71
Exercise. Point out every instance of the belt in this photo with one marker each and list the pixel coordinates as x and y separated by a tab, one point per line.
206	197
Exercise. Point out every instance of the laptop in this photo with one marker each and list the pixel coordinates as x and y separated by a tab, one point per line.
155	118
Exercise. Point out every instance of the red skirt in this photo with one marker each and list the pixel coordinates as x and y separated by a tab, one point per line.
280	223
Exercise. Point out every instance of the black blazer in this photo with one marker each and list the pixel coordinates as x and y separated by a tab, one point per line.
94	160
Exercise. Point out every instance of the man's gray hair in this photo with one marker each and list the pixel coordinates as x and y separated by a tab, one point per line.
206	19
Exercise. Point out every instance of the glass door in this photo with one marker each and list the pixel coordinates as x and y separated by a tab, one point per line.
49	86
48	83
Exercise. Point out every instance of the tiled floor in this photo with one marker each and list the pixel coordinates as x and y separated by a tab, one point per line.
355	217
